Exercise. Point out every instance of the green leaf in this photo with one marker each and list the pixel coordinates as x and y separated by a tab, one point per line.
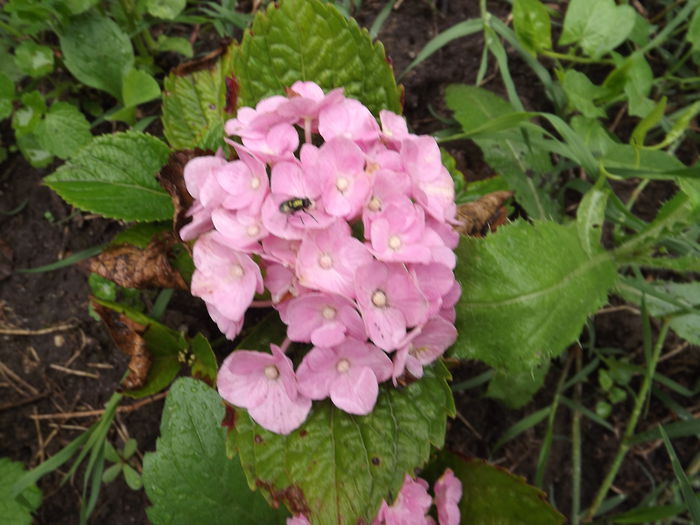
111	473
7	95
204	366
175	44
492	495
129	448
340	466
114	176
64	130
188	478
164	346
652	119
139	87
505	151
532	25
33	151
526	292
591	215
582	93
598	26
515	389
27	118
78	6
33	59
194	106
166	9
689	496
312	40
97	52
16	510
668	298
693	34
132	478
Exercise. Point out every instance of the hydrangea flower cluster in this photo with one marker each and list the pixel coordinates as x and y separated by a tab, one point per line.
347	225
413	503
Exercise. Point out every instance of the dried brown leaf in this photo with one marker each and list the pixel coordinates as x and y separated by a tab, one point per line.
483	215
132	267
200	64
128	335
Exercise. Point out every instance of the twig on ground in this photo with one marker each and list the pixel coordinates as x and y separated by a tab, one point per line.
6	330
17	382
93	413
22	402
74	372
469	425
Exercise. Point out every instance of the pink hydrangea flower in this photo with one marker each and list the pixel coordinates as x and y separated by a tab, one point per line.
424	346
411	505
397	234
349	119
448	493
390	302
348	373
323	319
298	519
224	277
341	166
266	386
328	259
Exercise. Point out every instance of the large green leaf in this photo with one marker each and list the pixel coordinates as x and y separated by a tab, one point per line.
312	40
188	478
524	168
493	496
338	467
64	130
114	176
532	25
194	105
16	510
97	52
598	26
526	292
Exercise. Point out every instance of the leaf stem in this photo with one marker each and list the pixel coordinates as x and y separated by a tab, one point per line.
631	424
574	58
576	447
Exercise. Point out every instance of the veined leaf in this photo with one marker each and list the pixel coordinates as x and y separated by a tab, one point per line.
114	176
598	26
339	467
591	215
16	510
195	105
188	478
312	40
64	130
526	292
532	25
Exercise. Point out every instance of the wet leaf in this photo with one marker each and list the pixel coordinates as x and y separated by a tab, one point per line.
192	441
133	267
483	215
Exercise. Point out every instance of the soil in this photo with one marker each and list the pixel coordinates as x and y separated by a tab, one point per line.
60	360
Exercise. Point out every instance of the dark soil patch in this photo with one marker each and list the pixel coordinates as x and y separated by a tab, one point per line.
46	229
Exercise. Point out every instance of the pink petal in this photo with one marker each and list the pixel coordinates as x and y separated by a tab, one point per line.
355	391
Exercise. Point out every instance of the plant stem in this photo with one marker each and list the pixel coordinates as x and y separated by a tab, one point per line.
576	448
547	442
631	424
574	58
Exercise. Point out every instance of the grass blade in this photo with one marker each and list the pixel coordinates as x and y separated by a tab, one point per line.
689	497
521	426
71	259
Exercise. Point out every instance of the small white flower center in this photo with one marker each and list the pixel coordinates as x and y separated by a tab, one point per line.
325	261
343	366
394	242
328	313
379	299
271	372
253	230
388	133
237	270
375	204
255	183
342	184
